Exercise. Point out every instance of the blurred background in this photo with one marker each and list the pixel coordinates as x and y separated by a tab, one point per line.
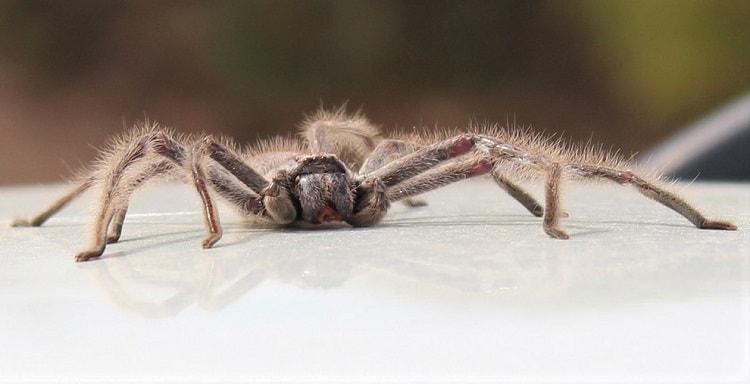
623	73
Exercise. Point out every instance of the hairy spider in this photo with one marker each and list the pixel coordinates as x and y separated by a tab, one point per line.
307	179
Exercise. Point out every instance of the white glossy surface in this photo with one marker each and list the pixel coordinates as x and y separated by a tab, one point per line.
466	289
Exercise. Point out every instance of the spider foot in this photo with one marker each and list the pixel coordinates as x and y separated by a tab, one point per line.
538	211
556	233
718	224
113	238
210	240
88	255
21	222
414	202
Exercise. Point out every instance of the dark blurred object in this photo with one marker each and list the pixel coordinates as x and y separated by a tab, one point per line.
716	147
622	73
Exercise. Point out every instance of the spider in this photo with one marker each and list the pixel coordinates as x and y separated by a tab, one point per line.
342	170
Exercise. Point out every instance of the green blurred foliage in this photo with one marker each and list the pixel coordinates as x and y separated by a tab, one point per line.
667	57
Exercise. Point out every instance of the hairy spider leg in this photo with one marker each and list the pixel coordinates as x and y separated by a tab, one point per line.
551	222
442	175
428	157
116	224
123	177
422	160
400	180
176	154
117	185
372	202
118	218
516	192
210	213
336	132
653	192
234	165
41	217
555	171
322	136
271	200
388	150
413	174
385	152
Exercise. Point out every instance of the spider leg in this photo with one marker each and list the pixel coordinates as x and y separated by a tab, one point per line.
421	160
127	169
452	172
374	196
248	201
113	211
203	176
351	137
210	213
325	135
233	164
239	196
555	170
523	197
115	227
653	192
372	200
416	173
111	179
114	230
112	215
385	152
440	176
270	199
41	217
551	222
388	150
419	172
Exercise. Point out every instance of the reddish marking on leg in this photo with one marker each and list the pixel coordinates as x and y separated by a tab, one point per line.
167	147
480	168
463	144
162	145
624	177
391	146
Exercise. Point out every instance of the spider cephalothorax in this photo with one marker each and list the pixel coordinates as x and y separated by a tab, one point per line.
283	181
320	188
